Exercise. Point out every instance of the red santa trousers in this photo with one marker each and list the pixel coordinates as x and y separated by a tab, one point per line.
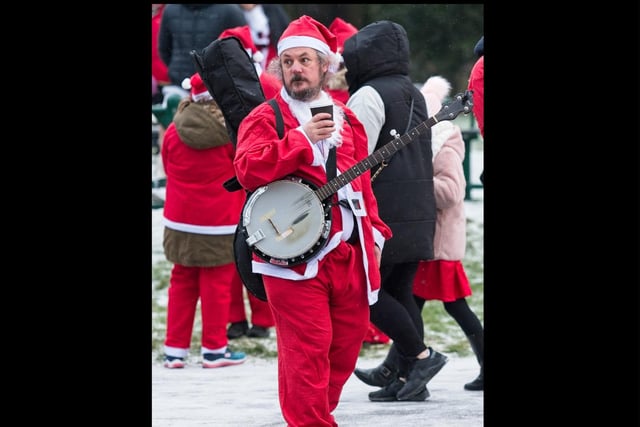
320	325
212	285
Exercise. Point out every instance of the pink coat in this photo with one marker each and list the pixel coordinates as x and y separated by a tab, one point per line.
449	186
449	181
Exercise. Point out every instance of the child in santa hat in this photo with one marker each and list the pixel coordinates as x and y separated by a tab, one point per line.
200	218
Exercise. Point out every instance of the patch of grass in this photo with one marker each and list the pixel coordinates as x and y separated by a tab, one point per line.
441	331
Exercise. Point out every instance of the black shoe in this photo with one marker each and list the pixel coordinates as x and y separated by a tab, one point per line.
237	329
379	376
258	332
389	393
421	373
477	384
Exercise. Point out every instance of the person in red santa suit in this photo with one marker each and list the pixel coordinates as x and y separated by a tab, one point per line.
261	318
321	306
476	85
200	218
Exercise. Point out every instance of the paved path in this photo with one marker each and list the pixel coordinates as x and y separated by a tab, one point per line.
246	396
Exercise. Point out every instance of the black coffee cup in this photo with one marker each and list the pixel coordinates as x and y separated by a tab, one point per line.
322	109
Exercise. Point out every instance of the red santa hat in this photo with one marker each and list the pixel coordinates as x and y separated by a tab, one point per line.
199	91
343	30
307	32
243	34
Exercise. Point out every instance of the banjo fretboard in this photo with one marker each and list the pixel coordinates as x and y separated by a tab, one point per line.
449	111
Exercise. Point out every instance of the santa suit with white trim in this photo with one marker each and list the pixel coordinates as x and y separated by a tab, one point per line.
200	218
321	307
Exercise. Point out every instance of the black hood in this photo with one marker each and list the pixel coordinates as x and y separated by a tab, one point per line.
378	49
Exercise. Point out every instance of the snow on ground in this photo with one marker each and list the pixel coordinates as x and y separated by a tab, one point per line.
247	396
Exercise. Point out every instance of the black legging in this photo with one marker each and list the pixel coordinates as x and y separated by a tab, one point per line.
396	312
461	313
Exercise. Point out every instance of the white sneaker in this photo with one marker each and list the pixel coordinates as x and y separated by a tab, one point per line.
173	362
213	360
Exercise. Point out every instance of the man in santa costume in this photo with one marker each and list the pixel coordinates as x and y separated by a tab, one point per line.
321	306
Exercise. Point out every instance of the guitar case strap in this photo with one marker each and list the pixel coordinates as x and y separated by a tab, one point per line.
279	121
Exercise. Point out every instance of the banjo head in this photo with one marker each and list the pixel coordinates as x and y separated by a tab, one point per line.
285	221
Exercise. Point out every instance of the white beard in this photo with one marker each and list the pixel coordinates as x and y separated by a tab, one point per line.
302	112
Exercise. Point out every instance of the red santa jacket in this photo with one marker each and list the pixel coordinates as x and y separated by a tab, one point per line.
476	84
197	163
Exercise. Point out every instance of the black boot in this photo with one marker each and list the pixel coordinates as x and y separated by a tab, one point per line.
477	344
384	374
421	373
237	329
388	393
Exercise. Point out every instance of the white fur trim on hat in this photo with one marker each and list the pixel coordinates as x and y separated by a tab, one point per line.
303	41
202	96
258	56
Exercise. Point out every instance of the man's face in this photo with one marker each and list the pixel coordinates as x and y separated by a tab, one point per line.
303	76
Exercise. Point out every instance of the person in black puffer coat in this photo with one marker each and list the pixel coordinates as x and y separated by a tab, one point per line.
186	27
386	101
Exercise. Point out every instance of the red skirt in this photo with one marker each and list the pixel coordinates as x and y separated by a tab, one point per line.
441	280
375	335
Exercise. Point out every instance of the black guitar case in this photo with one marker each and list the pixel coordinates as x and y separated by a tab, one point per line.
230	76
243	256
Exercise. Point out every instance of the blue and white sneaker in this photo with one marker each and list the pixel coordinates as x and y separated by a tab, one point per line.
218	360
173	362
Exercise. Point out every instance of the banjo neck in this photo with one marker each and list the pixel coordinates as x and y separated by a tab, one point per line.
451	110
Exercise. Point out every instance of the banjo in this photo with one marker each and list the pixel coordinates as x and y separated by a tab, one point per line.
287	222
